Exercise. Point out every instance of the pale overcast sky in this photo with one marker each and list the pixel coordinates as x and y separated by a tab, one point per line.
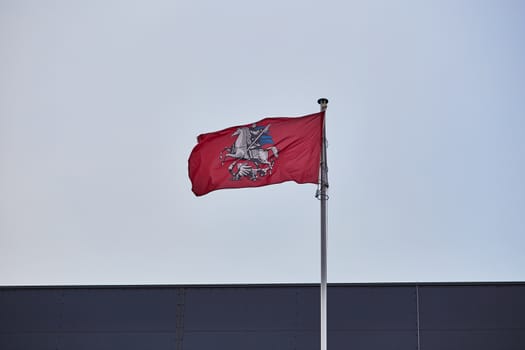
101	103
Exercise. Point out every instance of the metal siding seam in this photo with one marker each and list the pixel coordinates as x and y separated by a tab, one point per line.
179	326
417	317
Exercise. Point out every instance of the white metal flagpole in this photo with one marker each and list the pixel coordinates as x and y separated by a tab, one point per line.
322	195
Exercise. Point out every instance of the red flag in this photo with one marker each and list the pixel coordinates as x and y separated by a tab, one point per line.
270	151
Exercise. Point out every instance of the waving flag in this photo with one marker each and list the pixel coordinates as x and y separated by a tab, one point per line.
270	151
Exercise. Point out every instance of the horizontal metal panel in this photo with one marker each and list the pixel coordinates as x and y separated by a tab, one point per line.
259	340
372	308
308	308
479	340
240	309
28	341
372	340
30	309
89	341
123	310
472	307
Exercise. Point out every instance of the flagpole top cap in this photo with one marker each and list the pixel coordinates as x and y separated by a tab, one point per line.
322	101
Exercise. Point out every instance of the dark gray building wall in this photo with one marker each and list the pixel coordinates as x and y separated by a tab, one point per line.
490	316
360	316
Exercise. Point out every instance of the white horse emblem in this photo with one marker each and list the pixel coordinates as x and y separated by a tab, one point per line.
251	159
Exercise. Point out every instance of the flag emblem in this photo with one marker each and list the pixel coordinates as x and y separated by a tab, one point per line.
252	155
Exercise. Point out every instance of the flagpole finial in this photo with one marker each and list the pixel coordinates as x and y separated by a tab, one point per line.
323	102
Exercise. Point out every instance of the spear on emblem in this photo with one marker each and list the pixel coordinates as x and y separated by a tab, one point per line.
259	136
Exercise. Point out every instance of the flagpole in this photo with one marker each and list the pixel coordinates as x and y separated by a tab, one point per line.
323	197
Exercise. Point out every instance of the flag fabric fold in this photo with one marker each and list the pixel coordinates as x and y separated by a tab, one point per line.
270	151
